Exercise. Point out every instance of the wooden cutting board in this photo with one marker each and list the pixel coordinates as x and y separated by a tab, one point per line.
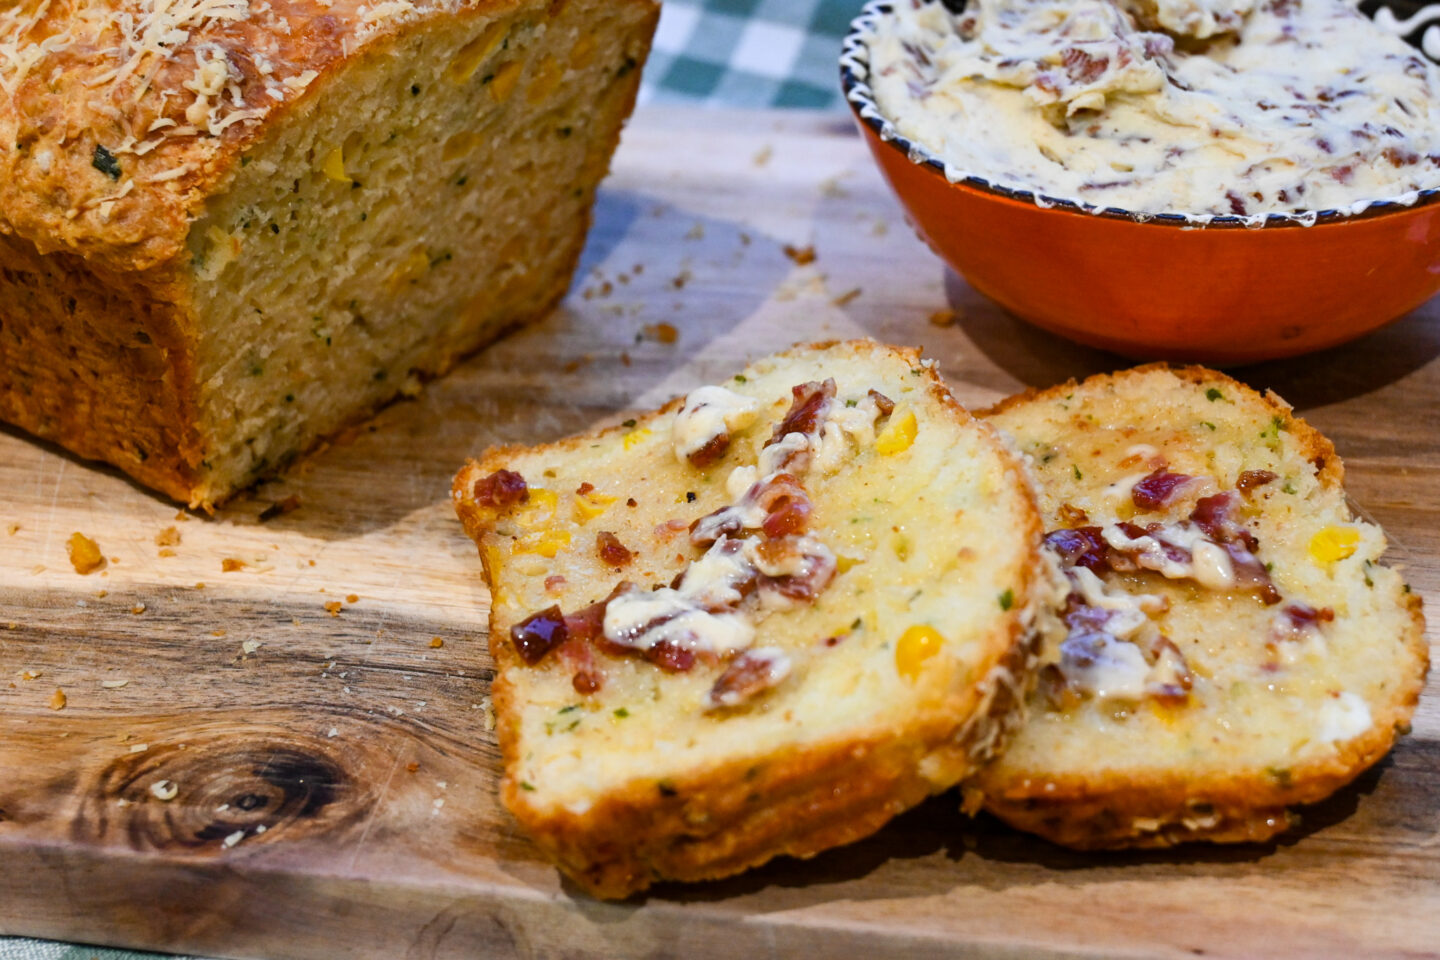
319	713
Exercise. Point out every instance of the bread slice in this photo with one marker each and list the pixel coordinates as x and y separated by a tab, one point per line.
879	657
1258	656
229	229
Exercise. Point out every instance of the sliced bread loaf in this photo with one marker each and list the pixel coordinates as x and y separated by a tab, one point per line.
231	228
762	620
1232	646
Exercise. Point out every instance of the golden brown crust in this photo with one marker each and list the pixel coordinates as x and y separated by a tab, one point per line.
727	817
1161	809
92	87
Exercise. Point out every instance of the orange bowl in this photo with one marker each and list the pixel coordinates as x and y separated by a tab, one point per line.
1161	287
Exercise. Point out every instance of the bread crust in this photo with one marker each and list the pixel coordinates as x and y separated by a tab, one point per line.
98	327
1167	807
725	818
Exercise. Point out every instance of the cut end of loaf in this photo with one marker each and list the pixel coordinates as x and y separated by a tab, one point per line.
436	194
900	675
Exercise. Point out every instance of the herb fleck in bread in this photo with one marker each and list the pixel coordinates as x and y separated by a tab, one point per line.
1234	646
762	620
230	228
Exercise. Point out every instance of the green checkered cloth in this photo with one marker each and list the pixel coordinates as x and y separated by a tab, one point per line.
749	53
739	53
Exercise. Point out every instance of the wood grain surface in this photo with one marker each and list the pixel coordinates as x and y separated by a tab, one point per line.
333	771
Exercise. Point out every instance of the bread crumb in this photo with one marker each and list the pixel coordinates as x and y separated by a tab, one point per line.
412	766
165	790
217	633
169	537
233	839
488	706
138	609
333	608
230	565
30	674
166	552
200	585
763	156
12	529
436	643
85	554
846	297
113	684
944	318
800	255
139	747
662	332
101	594
352	598
697	232
182	516
249	647
58	700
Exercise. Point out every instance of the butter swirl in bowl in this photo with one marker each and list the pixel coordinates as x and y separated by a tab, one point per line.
1222	180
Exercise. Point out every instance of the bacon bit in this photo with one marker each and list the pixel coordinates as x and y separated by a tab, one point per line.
670	658
538	634
232	565
1156	491
1250	479
632	503
1237	203
884	404
333	608
554	584
816	570
668	529
800	255
85	555
1215	515
281	507
586	682
1081	67
584	489
503	488
1073	516
751	673
1302	616
1080	547
611	550
711	453
807	406
1399	157
662	332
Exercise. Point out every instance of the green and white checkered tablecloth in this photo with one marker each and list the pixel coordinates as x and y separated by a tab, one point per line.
746	53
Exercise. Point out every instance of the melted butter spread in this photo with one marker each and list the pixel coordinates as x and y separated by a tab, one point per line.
1200	107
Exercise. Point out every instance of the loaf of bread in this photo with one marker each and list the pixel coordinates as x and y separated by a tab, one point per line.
229	228
1232	645
762	620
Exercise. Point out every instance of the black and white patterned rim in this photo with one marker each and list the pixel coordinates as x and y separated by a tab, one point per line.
855	84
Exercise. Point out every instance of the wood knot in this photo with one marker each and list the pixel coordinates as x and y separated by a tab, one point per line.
210	797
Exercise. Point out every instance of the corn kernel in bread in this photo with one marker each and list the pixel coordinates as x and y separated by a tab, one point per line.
230	228
1233	645
832	574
